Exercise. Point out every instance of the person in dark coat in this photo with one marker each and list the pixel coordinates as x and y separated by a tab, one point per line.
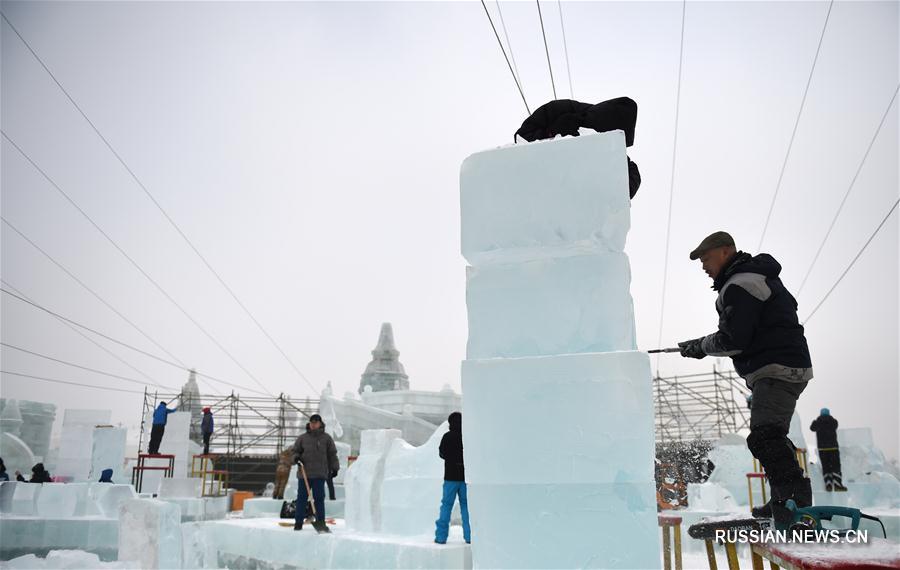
206	427
316	454
451	451
106	476
760	331
825	427
4	476
160	415
565	116
38	475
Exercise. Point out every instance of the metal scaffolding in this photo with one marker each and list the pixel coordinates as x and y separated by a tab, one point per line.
249	432
700	406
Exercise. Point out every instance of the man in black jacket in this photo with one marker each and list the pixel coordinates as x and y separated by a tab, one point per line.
825	427
451	451
317	455
759	330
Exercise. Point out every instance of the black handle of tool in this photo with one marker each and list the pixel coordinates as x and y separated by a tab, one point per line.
658	350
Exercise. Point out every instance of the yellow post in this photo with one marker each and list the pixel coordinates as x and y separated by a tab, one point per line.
756	559
667	548
711	555
678	547
731	552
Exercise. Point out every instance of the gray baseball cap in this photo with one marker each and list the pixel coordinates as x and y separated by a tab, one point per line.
712	241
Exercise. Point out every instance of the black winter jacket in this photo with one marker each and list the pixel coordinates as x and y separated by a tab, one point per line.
826	432
758	324
451	451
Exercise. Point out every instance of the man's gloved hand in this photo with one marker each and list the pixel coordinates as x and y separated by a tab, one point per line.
692	348
334	473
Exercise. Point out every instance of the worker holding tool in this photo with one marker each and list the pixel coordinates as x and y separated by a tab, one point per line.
316	455
760	331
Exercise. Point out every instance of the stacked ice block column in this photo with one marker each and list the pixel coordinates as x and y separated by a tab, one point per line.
557	407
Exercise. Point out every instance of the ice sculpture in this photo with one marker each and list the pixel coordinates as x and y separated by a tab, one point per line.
557	404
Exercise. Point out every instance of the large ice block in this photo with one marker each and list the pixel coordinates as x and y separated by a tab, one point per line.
108	497
611	525
531	200
179	487
150	532
108	452
559	459
176	441
25	497
7	490
598	411
76	443
58	500
362	509
550	306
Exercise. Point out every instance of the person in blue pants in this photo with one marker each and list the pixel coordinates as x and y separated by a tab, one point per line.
451	451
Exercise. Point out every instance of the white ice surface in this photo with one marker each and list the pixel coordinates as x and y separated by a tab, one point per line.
150	532
550	306
262	543
7	490
63	560
530	200
710	497
58	500
16	454
28	534
343	453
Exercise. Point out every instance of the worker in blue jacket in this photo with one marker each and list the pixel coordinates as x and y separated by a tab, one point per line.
160	414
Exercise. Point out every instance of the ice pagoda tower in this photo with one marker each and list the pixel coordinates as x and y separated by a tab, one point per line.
190	402
385	372
557	403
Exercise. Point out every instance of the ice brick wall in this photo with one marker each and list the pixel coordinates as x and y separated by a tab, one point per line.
557	404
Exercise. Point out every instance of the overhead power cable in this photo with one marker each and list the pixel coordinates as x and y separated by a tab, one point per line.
92	292
134	263
566	48
119	342
865	245
787	155
500	43
847	193
662	304
89	339
54	380
166	216
512	55
546	48
73	365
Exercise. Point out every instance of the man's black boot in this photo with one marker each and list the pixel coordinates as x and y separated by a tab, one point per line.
764	511
800	490
298	526
321	527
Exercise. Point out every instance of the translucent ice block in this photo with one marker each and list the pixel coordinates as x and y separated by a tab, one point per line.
577	418
108	452
550	306
532	200
363	482
150	532
611	525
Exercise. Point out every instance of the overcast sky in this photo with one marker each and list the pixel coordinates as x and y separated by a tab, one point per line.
311	152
